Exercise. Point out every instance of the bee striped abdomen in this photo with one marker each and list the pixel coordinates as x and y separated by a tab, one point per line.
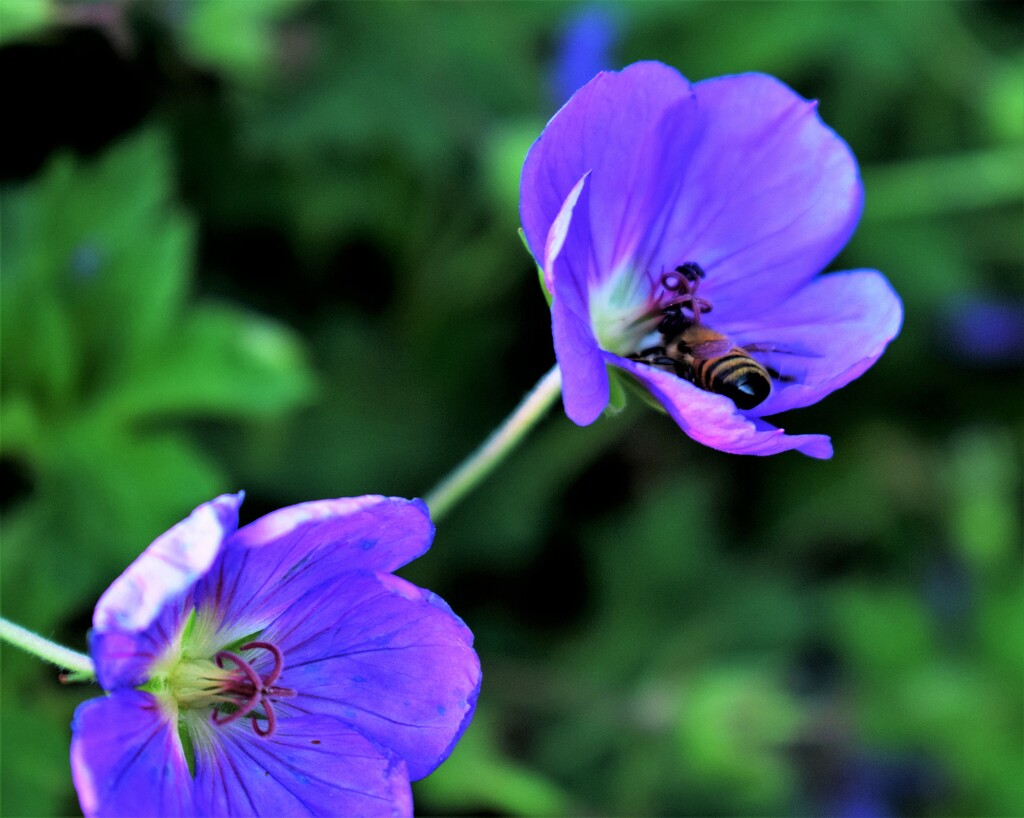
736	375
709	360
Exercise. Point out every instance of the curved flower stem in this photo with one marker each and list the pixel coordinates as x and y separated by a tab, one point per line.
45	649
493	450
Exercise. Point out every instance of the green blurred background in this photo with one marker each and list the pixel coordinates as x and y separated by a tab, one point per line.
272	246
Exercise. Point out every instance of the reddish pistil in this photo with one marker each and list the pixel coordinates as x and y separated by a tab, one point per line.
247	690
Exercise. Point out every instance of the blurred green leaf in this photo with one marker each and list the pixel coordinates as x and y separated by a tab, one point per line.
433	77
1001	629
734	726
234	363
884	631
984	484
944	184
1005	102
236	38
22	18
479	777
504	152
95	268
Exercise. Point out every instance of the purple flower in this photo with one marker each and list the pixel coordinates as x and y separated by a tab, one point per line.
989	331
680	229
276	669
583	48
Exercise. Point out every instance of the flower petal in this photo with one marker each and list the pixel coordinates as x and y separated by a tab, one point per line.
385	656
127	760
842	320
713	419
252	581
168	567
567	258
311	765
607	129
771	195
124	658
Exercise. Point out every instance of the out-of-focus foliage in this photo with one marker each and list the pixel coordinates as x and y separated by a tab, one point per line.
235	39
210	208
100	353
21	18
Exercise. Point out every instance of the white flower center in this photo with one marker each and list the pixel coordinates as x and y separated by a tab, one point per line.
624	310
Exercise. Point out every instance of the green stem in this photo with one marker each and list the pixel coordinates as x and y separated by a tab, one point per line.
493	450
45	649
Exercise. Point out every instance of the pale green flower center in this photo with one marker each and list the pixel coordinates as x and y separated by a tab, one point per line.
187	679
624	311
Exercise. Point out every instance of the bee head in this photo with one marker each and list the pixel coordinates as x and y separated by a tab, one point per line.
674	320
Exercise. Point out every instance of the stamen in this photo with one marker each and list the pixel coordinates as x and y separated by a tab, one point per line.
242	665
238	687
684	281
247	690
278	659
271	721
671	282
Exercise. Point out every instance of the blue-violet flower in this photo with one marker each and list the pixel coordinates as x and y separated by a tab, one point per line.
584	48
277	669
680	230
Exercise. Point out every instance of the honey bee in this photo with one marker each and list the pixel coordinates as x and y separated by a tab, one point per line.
701	355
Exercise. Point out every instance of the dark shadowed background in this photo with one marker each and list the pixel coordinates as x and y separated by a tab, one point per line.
272	246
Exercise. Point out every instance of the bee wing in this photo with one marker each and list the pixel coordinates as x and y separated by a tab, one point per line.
781	349
710	349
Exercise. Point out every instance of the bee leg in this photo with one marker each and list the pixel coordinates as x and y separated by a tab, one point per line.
655	356
777	377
